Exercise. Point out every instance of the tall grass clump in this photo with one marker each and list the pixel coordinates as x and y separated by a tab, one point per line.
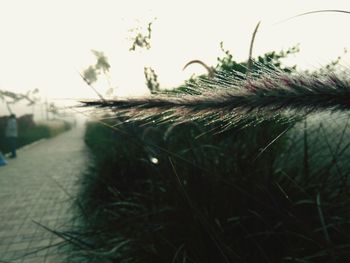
231	168
157	201
178	193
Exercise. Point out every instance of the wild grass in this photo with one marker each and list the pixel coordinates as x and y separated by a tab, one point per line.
232	168
275	191
233	97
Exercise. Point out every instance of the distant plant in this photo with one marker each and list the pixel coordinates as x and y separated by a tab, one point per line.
101	66
141	40
332	66
10	98
91	74
270	60
151	80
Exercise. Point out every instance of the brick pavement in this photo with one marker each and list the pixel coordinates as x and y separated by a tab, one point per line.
38	186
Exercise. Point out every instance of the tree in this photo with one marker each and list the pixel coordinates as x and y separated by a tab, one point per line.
91	74
10	98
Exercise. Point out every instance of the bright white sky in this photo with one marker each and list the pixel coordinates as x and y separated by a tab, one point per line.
45	43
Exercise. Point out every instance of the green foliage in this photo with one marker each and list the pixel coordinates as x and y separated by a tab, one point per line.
270	60
151	79
90	75
228	66
102	64
330	67
141	40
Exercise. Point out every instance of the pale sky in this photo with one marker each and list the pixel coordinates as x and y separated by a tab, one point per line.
45	43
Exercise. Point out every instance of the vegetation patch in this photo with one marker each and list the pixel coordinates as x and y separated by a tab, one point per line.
29	131
174	180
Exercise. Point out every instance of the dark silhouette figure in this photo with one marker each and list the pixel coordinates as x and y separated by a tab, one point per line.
11	134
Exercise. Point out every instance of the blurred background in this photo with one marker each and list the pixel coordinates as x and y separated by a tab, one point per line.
47	45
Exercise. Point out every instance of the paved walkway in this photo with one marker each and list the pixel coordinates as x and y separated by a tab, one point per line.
38	187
